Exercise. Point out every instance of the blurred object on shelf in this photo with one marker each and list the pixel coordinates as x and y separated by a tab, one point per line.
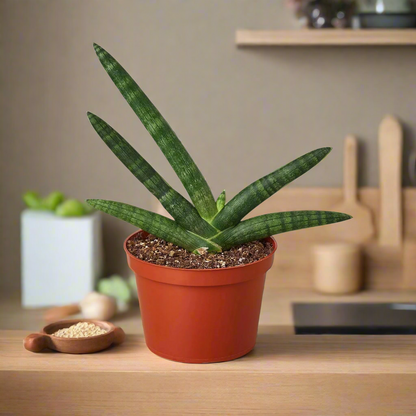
386	14
98	306
320	14
94	306
387	20
118	288
56	202
296	6
61	257
114	295
337	268
383	14
342	13
33	200
385	6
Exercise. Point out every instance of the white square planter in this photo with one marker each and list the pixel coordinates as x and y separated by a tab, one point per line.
61	257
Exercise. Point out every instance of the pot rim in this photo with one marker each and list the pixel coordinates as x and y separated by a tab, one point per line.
273	241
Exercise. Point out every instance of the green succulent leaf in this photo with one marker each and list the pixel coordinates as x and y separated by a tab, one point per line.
155	224
256	193
221	201
270	224
180	160
32	200
181	209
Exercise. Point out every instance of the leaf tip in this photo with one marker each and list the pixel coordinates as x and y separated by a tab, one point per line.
326	150
221	201
345	217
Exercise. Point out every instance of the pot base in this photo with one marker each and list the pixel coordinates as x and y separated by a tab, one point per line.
200	360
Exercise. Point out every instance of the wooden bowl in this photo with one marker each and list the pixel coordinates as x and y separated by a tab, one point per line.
44	339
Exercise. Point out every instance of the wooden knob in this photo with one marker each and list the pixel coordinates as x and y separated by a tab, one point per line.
36	342
119	336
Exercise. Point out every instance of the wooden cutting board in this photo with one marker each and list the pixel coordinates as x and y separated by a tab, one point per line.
390	159
361	227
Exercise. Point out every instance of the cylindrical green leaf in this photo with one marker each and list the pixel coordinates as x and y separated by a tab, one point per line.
281	222
181	210
155	224
180	160
256	193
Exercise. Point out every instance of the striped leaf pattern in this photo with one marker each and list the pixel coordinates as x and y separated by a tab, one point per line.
180	160
221	201
256	193
208	224
269	224
155	224
181	209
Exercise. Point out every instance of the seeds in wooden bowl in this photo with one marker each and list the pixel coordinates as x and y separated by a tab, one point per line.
80	330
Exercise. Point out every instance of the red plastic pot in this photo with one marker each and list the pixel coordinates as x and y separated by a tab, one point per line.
200	316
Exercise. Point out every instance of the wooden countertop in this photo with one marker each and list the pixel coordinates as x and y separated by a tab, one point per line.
285	374
276	309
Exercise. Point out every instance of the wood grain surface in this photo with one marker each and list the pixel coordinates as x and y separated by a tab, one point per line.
285	374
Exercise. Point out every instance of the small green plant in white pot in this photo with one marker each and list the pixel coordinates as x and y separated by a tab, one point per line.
61	249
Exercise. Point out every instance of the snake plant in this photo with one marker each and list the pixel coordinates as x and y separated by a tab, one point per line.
206	223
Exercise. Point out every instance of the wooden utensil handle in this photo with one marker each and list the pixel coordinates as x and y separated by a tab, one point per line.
59	312
391	215
36	342
350	168
119	336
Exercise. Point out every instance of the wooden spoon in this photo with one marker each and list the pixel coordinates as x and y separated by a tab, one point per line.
360	228
391	215
42	340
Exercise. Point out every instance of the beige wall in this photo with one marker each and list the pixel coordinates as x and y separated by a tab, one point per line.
240	112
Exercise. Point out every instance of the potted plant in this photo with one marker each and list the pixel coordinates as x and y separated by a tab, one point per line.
194	308
54	232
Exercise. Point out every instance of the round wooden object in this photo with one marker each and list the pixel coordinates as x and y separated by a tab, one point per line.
337	268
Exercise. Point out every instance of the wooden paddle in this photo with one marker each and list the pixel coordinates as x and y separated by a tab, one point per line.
360	228
390	154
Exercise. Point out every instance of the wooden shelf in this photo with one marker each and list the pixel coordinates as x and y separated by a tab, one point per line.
326	37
